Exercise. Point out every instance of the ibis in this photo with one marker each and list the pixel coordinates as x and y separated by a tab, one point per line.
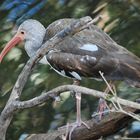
82	55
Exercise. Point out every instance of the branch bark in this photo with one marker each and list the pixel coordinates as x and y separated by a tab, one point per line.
107	126
56	92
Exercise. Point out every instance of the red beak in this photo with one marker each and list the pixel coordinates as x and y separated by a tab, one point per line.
15	40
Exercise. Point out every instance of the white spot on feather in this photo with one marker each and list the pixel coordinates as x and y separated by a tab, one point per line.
82	59
44	60
75	75
63	72
89	47
68	59
87	58
91	58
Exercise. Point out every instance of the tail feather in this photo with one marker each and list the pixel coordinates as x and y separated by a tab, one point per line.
131	72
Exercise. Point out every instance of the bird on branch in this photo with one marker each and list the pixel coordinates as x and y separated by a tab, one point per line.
83	54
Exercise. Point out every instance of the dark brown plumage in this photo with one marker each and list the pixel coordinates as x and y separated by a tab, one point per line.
113	60
84	54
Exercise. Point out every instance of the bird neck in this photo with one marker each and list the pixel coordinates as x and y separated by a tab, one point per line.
34	40
31	46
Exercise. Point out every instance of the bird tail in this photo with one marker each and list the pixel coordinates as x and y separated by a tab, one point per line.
131	72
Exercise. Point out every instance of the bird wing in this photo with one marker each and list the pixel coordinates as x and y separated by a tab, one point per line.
77	66
92	34
86	51
90	51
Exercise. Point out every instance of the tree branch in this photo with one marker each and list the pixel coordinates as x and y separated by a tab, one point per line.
107	126
56	92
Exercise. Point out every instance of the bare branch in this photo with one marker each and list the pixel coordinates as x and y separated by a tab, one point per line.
56	92
107	126
117	104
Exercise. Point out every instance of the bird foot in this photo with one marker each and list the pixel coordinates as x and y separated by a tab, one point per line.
102	110
71	127
75	125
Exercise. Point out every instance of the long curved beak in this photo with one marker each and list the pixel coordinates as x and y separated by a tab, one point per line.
12	43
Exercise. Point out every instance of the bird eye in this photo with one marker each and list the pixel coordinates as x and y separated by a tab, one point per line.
22	32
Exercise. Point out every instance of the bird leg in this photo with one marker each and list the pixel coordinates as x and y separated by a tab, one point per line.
79	121
103	108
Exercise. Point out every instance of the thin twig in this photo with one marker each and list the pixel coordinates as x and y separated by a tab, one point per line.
118	107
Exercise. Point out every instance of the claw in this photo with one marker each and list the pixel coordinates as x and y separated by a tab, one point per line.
75	125
72	127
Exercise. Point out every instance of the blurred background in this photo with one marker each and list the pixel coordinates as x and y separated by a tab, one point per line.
121	21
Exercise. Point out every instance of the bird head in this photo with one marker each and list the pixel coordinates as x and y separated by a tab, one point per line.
32	32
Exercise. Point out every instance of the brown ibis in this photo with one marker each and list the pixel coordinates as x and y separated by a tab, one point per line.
81	55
